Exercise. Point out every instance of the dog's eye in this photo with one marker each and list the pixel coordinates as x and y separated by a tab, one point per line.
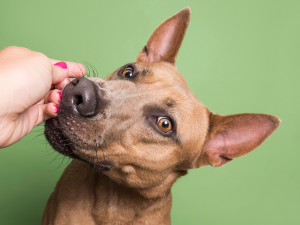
128	72
164	124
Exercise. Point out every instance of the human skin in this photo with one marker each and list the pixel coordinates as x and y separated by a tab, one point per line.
30	90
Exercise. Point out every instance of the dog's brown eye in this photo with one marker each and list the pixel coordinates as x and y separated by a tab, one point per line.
128	72
164	124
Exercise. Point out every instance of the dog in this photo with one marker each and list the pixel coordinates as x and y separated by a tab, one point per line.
133	134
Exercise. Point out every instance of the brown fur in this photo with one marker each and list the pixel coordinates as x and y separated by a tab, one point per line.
145	162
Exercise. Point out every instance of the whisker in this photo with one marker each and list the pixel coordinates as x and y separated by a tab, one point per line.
61	162
38	135
96	155
102	148
88	69
68	161
95	72
91	70
81	72
54	158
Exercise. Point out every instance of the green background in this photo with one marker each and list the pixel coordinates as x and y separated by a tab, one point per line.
238	56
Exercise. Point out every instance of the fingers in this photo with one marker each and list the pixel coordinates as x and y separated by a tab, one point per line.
37	114
50	110
45	112
63	70
62	84
48	107
59	73
73	69
53	96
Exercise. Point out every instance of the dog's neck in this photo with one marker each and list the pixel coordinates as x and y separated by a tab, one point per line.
105	201
117	204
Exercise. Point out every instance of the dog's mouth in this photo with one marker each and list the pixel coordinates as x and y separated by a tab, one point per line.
70	144
57	139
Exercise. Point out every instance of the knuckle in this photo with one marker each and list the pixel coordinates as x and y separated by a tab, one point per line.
25	52
15	49
42	59
40	56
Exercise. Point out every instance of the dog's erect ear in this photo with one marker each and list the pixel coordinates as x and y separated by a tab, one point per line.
165	41
235	135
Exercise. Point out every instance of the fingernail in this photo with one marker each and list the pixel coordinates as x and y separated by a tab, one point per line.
59	95
56	108
62	65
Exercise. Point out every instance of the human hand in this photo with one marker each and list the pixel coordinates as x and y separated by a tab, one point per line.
30	90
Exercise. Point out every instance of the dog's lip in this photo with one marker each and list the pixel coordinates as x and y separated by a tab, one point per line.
64	146
67	124
100	166
56	138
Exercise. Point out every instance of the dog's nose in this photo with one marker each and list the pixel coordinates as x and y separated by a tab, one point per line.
80	97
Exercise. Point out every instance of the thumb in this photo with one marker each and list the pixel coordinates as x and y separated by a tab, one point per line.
66	69
59	72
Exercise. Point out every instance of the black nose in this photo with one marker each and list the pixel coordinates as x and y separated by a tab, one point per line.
80	97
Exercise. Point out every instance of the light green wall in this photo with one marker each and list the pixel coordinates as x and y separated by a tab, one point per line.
238	56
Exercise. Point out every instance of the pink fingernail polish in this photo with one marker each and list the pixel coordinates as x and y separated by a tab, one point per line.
56	108
59	95
62	65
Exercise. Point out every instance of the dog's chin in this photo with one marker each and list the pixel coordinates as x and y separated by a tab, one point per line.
65	146
57	139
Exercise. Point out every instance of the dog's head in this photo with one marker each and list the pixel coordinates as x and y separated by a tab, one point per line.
143	127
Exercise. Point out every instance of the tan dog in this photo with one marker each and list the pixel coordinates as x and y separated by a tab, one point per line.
134	133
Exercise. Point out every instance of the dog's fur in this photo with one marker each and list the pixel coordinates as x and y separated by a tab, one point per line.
124	163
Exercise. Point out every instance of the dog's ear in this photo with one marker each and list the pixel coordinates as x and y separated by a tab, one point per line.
233	136
165	41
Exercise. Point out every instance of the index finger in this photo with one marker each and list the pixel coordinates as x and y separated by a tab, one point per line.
74	69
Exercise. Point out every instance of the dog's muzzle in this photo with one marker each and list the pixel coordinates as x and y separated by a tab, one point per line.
80	98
